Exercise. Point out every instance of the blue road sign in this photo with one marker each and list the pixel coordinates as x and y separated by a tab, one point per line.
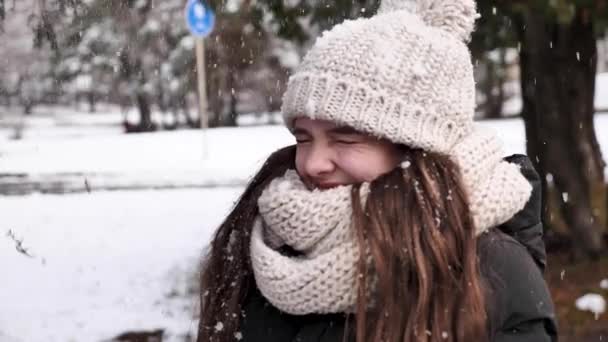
199	18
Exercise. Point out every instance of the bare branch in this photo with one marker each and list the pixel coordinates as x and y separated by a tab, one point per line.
18	244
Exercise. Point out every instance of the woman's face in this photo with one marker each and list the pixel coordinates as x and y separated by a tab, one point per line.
328	155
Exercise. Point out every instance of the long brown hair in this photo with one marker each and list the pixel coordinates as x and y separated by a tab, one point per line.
418	232
226	276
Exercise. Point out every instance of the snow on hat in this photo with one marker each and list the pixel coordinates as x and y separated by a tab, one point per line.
406	75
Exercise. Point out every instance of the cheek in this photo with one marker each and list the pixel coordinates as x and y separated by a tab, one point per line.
359	166
301	156
366	164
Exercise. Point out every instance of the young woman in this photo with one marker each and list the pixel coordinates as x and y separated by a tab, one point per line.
381	223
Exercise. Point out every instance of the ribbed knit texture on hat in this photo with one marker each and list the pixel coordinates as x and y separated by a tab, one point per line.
393	75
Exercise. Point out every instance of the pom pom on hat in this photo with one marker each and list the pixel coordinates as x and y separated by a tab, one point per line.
454	16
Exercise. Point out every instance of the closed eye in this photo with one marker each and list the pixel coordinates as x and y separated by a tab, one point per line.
346	135
302	139
301	135
347	141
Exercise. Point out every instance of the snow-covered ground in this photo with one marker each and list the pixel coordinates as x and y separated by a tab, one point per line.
71	154
592	302
59	148
109	261
104	263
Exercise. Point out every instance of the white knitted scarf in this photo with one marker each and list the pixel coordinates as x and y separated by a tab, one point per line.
317	224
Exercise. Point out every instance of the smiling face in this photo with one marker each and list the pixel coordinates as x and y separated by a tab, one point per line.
328	155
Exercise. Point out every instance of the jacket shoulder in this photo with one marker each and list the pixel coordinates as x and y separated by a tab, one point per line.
519	303
526	226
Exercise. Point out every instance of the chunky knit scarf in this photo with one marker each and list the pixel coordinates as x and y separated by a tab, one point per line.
322	278
317	225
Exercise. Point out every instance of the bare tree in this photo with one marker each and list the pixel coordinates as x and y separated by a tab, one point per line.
558	61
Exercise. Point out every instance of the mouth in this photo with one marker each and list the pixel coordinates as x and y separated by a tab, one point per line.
327	186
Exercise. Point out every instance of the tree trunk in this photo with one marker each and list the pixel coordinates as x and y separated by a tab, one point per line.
184	106
92	101
558	64
226	118
28	106
493	89
233	103
145	113
230	118
218	86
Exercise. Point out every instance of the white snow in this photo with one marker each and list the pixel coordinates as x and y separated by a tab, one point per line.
287	53
83	82
601	92
104	263
219	326
106	157
187	42
592	302
152	26
604	284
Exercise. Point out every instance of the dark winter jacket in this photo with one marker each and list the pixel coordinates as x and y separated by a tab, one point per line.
519	305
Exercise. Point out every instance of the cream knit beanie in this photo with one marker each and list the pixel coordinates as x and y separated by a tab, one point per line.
406	75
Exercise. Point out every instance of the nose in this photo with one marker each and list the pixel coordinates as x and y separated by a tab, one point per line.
319	161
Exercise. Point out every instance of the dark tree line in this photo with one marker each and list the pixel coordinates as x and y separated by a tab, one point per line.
141	53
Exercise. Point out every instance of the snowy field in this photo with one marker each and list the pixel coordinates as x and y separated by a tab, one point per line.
63	149
60	152
106	262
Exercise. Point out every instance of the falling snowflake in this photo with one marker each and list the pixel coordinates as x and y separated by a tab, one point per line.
219	326
406	164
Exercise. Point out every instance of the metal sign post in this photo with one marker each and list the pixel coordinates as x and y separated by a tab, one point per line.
202	82
200	20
